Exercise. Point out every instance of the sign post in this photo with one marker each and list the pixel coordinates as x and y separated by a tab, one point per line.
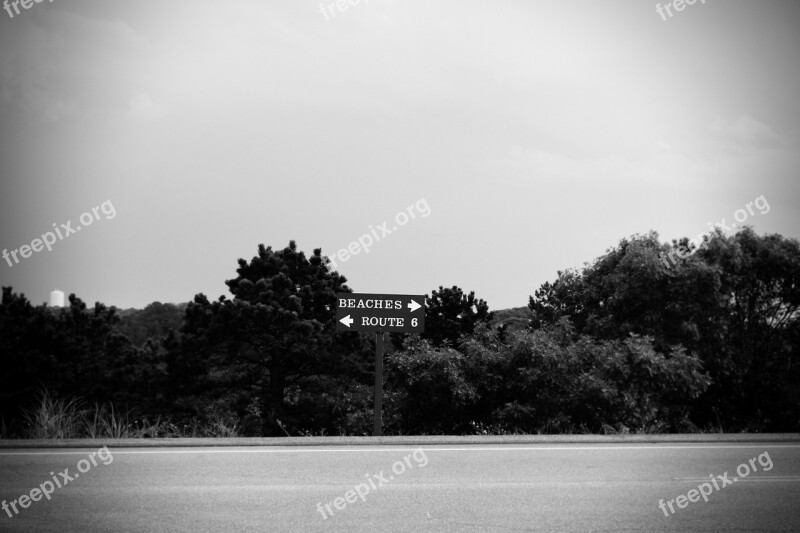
381	313
378	409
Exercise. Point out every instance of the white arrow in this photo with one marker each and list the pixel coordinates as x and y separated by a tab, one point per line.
346	321
413	306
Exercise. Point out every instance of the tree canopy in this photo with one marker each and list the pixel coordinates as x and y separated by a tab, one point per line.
632	342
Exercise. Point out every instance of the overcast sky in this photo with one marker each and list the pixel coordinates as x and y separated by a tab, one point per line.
534	134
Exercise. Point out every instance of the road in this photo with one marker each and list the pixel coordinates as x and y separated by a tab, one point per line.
546	487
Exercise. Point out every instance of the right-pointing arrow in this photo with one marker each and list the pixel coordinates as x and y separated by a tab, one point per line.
413	306
346	321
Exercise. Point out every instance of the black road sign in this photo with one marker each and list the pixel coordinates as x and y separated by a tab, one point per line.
398	313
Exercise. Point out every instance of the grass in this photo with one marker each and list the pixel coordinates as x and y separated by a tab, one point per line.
106	422
55	418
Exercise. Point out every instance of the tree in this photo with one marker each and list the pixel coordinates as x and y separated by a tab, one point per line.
25	355
276	335
427	389
71	352
733	304
562	298
755	353
449	313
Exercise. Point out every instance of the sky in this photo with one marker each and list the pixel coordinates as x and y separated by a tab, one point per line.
486	145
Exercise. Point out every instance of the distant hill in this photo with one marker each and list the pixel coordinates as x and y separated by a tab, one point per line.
154	321
516	318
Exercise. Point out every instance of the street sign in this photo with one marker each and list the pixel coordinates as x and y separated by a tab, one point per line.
397	313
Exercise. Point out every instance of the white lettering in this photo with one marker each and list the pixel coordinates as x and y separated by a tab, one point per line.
382	321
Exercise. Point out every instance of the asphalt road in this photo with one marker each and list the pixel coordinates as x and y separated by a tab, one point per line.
547	487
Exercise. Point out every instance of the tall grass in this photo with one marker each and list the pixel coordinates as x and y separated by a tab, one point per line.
53	418
104	421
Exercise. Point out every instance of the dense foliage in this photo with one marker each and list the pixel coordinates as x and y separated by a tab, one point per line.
630	343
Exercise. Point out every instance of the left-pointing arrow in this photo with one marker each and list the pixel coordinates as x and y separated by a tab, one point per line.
346	321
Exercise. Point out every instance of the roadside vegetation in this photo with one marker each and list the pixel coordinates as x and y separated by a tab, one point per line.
52	418
627	344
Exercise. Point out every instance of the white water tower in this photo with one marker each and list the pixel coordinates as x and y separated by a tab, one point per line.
57	298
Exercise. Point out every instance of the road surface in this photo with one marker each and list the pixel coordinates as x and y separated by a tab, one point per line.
472	488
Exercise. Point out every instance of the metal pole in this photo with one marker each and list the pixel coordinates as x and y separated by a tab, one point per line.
378	415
